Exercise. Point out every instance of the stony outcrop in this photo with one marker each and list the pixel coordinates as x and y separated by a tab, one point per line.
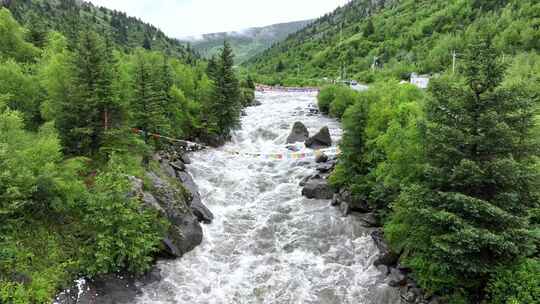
317	189
320	140
317	186
174	194
299	133
348	203
108	289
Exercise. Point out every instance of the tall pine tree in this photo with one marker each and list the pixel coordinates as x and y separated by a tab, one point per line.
150	95
226	105
469	214
82	121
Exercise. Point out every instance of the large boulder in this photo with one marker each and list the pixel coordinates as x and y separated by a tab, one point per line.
386	256
320	140
202	213
326	167
396	278
318	189
348	203
185	232
299	133
108	289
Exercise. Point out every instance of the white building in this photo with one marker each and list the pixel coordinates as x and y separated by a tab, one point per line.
421	81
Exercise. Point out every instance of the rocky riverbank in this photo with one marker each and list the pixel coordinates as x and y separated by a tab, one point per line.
167	187
317	186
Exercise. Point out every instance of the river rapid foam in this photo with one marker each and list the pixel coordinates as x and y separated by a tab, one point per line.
268	244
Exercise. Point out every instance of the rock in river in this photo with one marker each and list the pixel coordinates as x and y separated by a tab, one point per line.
318	189
320	140
299	133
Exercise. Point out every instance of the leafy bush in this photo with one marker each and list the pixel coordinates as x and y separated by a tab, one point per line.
326	96
518	284
344	97
121	235
375	161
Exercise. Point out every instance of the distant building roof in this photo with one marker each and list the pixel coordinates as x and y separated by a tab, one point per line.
421	81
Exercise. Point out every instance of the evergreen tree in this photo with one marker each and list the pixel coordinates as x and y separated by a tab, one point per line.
147	44
226	105
83	121
148	105
250	83
469	213
280	67
369	29
37	30
212	68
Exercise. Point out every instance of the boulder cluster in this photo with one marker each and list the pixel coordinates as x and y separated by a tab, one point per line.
300	133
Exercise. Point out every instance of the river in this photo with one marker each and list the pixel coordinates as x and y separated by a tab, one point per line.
268	244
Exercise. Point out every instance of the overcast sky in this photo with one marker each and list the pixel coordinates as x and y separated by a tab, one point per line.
181	18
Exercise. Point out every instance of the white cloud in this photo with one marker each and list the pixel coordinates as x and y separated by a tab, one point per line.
180	18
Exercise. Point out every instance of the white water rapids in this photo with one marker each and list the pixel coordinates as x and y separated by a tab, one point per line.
268	244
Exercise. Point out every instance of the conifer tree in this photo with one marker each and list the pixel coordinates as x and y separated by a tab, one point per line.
147	44
82	121
250	83
37	30
370	29
226	106
212	68
469	213
148	104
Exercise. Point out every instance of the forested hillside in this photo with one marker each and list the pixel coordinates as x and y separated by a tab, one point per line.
69	17
68	104
246	43
370	40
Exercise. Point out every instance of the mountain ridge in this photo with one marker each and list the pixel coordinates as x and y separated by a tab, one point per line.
399	36
246	43
72	16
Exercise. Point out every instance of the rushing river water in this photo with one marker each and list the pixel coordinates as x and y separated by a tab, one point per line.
268	244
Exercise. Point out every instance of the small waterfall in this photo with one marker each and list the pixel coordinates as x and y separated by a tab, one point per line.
268	244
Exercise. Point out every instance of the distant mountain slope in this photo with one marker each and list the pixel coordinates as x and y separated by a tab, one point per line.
71	16
400	36
249	42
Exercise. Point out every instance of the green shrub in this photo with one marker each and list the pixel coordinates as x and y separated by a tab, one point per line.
120	234
326	96
247	96
518	284
344	97
381	142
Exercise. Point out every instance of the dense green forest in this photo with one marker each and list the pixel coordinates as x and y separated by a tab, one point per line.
453	172
371	40
67	105
71	16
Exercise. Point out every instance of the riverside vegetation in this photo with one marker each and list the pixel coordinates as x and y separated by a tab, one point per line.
452	172
68	102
